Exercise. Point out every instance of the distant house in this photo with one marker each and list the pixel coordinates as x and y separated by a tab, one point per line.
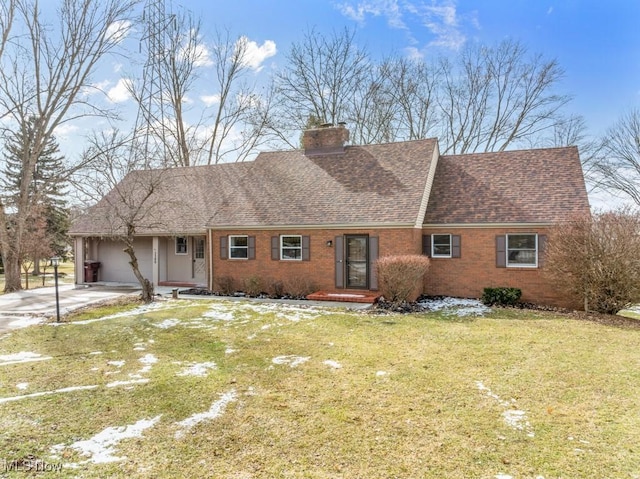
327	212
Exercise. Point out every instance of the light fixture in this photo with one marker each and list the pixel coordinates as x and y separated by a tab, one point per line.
55	261
329	243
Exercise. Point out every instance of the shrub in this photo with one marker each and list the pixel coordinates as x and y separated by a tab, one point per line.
502	296
597	258
253	286
275	288
226	285
400	277
298	287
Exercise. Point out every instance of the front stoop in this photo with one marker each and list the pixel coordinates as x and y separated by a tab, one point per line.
348	297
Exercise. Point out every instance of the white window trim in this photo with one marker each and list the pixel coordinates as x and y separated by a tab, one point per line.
186	243
433	249
521	265
282	258
238	247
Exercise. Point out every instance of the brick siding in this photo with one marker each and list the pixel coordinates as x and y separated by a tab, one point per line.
476	269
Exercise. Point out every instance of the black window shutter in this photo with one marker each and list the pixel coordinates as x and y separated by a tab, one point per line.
426	245
306	242
455	246
251	247
339	251
275	248
223	247
373	256
501	251
542	245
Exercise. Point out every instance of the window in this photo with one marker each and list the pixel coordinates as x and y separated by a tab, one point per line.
522	250
441	246
181	245
291	247
238	247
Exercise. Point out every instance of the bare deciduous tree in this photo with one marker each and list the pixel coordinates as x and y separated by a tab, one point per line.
232	121
618	167
597	259
496	98
323	77
42	77
238	120
129	199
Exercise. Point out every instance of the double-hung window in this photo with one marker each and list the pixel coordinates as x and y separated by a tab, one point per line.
181	245
522	250
238	247
441	246
291	247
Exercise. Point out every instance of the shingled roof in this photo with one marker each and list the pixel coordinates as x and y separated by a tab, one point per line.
528	186
373	185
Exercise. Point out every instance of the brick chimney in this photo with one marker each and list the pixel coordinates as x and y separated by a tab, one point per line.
328	139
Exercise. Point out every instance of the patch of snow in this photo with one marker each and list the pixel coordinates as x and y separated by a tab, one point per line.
292	361
26	322
229	351
381	373
95	353
46	393
117	364
456	306
101	447
127	383
514	418
22	386
148	360
216	409
332	364
145	308
199	369
167	323
503	476
220	312
21	357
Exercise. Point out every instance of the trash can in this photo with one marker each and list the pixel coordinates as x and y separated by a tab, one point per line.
91	271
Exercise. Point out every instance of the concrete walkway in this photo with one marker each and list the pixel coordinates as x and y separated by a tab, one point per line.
31	306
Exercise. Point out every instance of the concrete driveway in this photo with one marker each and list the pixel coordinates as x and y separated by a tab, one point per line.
32	306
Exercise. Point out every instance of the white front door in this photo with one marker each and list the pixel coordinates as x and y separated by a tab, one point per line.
199	263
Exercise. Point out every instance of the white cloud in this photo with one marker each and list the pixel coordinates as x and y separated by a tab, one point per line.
210	100
440	18
120	93
202	56
198	53
387	8
65	130
118	31
254	54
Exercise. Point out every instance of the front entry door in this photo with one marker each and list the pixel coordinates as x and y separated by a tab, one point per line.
357	261
199	264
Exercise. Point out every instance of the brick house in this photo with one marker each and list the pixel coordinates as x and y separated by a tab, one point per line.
324	214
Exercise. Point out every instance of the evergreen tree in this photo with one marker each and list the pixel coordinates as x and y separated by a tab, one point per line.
45	191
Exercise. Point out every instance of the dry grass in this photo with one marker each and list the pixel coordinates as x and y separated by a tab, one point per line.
420	395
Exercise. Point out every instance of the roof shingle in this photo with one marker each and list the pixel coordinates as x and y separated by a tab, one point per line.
527	186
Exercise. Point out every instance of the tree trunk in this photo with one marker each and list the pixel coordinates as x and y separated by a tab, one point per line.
12	273
147	286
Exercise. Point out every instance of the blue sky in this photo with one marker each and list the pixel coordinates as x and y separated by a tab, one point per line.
597	43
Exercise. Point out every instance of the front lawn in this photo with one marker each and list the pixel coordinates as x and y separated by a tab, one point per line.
246	390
